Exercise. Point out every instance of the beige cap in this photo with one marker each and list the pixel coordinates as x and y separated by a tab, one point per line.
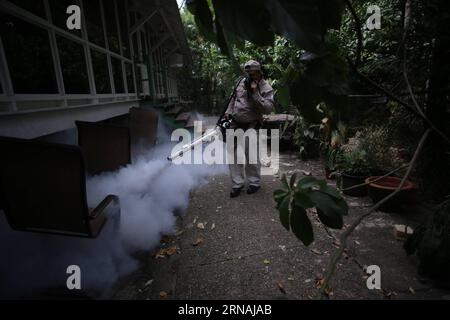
252	65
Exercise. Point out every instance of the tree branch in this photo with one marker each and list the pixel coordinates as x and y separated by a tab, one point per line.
338	254
406	26
416	110
358	28
377	179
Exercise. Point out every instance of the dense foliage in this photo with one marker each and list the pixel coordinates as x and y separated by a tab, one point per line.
319	55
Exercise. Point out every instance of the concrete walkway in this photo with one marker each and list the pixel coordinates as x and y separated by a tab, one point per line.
237	249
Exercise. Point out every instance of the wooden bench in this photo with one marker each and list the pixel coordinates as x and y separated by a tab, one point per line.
143	124
43	187
106	147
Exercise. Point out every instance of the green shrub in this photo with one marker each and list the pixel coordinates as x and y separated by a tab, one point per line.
355	163
431	242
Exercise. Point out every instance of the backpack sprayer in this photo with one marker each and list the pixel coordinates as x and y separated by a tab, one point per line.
221	126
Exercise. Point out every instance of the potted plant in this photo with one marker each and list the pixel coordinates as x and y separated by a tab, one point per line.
379	188
355	169
331	159
331	146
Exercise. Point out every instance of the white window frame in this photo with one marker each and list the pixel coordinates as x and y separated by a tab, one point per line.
65	100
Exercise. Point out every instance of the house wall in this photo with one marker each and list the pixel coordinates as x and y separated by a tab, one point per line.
51	76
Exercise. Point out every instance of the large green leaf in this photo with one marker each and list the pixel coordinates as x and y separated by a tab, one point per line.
221	39
283	96
303	200
306	96
331	191
279	195
284	212
284	182
324	79
331	220
301	226
343	205
329	211
327	203
328	71
298	21
203	17
248	20
308	182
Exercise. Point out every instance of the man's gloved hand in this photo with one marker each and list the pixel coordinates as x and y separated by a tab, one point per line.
254	85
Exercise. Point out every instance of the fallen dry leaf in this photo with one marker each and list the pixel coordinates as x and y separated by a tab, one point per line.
280	286
388	294
319	282
148	283
412	290
306	173
160	254
198	242
328	291
201	226
166	252
179	233
316	251
266	261
213	226
171	251
195	220
163	294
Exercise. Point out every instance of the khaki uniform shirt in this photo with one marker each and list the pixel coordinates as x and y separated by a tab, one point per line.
245	109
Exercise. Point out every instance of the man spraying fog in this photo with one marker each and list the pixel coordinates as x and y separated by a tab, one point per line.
252	99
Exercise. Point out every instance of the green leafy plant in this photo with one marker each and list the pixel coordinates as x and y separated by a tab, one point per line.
307	139
297	196
319	75
378	142
332	158
431	242
355	163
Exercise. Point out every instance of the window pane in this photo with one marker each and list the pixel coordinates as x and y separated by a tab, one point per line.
111	26
60	16
123	28
94	24
118	75
101	73
132	19
139	78
130	80
34	6
73	65
31	70
135	46
143	43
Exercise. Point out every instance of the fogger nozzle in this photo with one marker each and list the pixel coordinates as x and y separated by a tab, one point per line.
191	146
